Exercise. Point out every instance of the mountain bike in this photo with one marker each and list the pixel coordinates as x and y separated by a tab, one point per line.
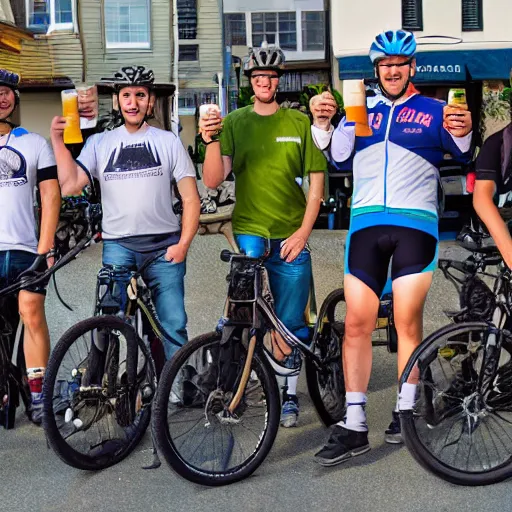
217	408
461	426
78	228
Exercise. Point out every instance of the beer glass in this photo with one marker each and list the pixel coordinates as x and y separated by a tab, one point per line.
354	100
72	133
87	105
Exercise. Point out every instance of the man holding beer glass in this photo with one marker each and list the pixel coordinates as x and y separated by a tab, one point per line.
398	144
26	161
270	151
136	165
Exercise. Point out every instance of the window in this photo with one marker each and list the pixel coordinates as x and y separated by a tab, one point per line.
49	15
187	19
188	52
313	31
276	28
412	15
127	24
472	17
235	29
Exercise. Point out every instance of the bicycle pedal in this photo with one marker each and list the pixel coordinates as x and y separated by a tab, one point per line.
382	323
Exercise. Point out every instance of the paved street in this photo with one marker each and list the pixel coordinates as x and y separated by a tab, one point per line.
386	479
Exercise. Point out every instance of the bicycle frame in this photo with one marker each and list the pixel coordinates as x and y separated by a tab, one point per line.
139	298
262	317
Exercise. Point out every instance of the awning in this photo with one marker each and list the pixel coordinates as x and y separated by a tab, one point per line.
12	36
441	66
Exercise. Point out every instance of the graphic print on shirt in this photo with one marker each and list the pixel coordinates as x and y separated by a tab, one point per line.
13	168
133	161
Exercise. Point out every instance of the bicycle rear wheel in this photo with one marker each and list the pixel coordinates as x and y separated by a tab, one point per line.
200	439
461	426
98	389
326	385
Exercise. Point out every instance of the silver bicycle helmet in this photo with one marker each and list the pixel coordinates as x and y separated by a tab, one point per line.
266	57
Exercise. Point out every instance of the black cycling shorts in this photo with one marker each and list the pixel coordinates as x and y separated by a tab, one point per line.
370	250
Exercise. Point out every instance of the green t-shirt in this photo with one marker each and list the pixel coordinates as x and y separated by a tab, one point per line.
268	154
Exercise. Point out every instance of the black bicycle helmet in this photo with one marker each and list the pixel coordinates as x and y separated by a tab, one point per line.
132	76
265	58
11	80
129	76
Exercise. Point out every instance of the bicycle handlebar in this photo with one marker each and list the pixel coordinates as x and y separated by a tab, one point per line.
226	255
25	279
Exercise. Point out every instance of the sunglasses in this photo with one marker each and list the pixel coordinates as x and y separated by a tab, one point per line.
260	77
389	66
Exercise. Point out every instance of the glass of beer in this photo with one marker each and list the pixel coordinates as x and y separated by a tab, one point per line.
72	133
354	100
87	105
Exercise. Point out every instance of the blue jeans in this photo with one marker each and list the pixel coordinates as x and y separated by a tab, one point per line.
166	281
289	282
12	264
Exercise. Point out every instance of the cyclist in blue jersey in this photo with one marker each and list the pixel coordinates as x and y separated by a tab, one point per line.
394	219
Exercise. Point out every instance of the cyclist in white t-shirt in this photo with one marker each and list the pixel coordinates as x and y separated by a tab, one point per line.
136	165
26	161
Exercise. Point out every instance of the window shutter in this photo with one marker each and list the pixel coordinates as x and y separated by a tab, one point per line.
412	15
472	18
187	19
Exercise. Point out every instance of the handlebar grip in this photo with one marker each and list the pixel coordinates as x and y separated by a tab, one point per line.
225	255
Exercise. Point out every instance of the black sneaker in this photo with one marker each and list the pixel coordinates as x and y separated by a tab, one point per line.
342	445
393	434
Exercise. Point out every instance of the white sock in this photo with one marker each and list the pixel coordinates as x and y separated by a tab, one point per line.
355	418
397	403
407	397
292	384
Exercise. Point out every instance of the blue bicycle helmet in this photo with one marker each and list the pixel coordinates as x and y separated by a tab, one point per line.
11	80
392	43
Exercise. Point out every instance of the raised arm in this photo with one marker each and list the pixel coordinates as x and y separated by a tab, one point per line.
217	165
340	141
72	177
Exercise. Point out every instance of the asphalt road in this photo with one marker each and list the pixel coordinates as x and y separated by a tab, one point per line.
385	479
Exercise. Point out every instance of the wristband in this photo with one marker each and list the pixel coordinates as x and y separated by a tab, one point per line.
207	143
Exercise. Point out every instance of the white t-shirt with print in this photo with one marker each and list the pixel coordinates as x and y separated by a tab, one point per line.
22	155
135	171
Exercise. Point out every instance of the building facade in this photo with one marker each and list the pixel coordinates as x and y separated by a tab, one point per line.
299	27
41	43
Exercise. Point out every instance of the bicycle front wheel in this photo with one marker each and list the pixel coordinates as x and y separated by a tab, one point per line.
98	389
461	425
200	438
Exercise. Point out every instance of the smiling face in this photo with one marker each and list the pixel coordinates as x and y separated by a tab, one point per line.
394	73
264	84
135	103
7	101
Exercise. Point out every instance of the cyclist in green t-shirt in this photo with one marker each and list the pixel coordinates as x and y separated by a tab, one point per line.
270	151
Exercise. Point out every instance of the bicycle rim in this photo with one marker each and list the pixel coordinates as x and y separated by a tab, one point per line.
200	439
95	414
